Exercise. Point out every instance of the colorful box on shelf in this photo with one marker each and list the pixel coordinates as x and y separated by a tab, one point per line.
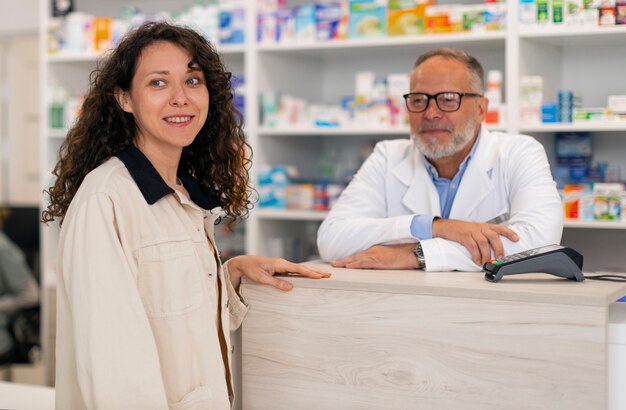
332	21
608	200
273	183
594	202
368	18
232	24
589	114
306	29
617	103
406	17
549	113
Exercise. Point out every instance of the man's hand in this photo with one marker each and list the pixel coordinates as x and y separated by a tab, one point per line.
381	257
478	238
262	269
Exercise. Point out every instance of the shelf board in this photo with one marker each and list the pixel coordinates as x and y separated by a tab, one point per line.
231	49
570	223
575	35
56	133
305	215
593	126
92	56
290	214
468	39
73	57
321	131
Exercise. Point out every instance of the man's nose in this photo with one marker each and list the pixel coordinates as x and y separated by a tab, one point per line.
432	110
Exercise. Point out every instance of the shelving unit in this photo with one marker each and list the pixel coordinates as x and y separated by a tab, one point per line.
591	126
595	224
567	58
291	214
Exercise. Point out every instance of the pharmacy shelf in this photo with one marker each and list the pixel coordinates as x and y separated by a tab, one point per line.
84	57
591	126
73	57
595	224
319	131
231	49
56	133
290	214
486	40
304	215
575	35
338	131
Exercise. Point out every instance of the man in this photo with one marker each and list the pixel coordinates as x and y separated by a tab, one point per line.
454	196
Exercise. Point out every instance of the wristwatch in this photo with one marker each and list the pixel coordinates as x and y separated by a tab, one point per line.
419	254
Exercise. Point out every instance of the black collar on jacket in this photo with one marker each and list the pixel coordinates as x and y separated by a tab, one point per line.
153	187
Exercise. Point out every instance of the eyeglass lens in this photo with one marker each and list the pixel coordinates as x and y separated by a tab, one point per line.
445	101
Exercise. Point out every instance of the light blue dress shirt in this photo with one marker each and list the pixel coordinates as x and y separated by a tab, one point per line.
422	225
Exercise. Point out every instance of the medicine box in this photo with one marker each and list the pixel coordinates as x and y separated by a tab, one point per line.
617	103
305	24
332	20
273	183
368	18
573	147
285	25
405	17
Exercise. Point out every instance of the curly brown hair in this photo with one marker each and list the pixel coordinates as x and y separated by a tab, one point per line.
219	157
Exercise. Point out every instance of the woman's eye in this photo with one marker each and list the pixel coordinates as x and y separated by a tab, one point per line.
157	83
193	81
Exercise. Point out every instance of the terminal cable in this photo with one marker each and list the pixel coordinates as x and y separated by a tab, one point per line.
607	277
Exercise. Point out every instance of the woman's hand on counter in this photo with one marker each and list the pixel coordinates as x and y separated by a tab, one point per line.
261	269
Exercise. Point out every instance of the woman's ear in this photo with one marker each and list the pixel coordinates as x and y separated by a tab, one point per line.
123	100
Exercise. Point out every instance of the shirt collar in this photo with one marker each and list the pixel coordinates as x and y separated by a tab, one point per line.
153	187
433	171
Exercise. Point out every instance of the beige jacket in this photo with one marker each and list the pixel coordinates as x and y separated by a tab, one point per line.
144	306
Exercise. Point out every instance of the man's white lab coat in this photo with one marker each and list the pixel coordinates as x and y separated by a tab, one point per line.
508	180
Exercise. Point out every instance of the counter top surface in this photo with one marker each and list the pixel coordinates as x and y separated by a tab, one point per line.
25	396
532	287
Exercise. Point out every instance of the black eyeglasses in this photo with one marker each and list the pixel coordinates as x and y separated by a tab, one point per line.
447	101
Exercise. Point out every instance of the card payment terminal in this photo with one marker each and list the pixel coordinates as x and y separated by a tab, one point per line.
553	259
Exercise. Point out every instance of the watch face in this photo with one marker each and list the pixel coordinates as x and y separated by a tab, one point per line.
419	254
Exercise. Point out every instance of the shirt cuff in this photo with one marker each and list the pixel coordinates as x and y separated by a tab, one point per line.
237	305
422	226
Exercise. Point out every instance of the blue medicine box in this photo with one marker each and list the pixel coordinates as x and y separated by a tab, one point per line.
549	112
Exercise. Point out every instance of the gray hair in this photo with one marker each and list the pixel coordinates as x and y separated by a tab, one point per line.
474	67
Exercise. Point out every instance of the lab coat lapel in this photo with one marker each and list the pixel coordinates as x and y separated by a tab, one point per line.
477	181
421	195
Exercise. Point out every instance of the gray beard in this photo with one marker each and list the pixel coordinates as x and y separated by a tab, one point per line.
435	150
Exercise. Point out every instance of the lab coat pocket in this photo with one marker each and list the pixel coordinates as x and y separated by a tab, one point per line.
199	398
170	280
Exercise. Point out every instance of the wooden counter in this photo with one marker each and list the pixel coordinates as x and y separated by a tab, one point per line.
367	339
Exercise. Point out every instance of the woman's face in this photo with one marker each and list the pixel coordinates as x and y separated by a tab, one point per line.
169	100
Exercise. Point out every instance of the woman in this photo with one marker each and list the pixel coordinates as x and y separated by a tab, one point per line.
155	158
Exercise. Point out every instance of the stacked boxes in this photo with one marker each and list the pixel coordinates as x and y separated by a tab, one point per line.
573	12
367	18
573	154
405	17
326	20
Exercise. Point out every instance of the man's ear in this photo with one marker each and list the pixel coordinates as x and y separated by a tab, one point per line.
483	104
123	99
